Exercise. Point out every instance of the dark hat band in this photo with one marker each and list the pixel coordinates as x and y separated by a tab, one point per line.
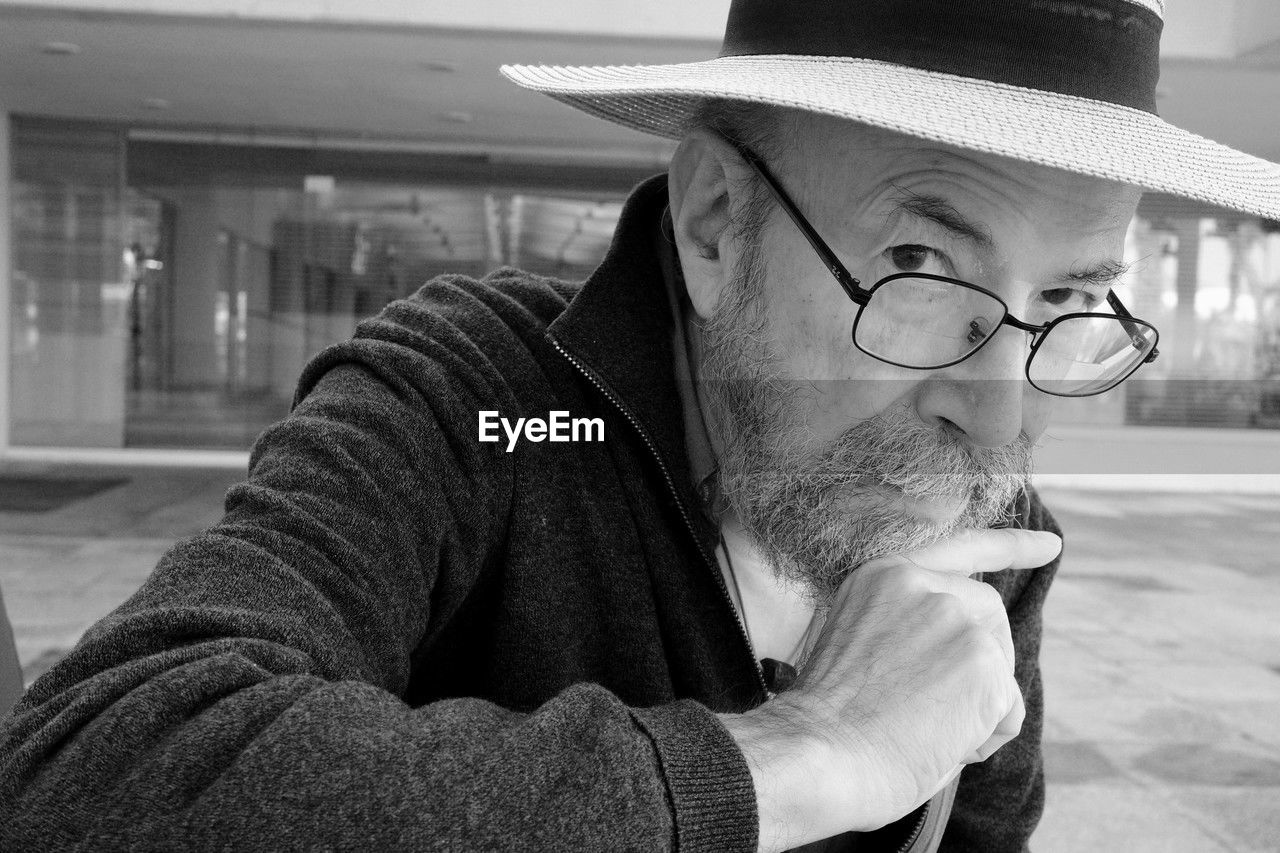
1106	50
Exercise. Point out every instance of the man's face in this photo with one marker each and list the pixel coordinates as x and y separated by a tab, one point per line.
830	457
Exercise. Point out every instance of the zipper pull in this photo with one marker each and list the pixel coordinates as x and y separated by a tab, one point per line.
778	676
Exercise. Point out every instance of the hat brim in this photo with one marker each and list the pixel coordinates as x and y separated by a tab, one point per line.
1063	131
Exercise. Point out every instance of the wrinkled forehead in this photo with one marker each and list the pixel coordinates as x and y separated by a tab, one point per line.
842	167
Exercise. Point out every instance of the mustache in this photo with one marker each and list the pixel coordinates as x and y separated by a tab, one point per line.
898	450
894	448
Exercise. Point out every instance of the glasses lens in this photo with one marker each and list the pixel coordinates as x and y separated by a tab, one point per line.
924	322
1081	356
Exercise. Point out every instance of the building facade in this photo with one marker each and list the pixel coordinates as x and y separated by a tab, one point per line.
195	201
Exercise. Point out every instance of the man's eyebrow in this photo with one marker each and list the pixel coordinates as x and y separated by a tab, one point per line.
1105	272
939	211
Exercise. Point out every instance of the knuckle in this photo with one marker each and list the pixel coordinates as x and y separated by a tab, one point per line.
991	602
945	608
880	571
990	595
1015	724
987	653
991	647
975	654
899	579
1015	711
1010	730
990	748
880	564
912	578
1008	541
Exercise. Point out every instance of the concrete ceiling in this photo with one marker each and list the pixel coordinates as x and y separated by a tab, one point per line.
320	79
438	88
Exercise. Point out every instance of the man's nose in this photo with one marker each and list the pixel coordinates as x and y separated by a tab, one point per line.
982	395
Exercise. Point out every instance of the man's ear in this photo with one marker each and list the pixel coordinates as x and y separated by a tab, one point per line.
703	181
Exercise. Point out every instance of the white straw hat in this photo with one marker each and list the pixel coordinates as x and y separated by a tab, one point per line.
1064	83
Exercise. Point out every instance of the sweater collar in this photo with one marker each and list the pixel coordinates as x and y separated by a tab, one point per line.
620	326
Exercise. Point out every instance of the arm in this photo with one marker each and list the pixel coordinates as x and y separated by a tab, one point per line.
247	695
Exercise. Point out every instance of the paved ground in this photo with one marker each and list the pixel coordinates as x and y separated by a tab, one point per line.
1161	659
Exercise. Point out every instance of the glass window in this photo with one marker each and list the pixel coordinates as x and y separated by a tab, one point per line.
69	297
169	295
1209	280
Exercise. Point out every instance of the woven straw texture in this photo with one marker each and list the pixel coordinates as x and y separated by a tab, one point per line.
1156	6
1064	131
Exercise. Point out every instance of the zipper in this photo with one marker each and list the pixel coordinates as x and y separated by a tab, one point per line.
916	830
684	511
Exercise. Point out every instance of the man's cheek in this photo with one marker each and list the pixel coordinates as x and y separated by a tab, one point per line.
1038	410
835	406
815	351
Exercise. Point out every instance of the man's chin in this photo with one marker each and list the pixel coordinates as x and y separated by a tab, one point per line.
879	515
942	511
820	551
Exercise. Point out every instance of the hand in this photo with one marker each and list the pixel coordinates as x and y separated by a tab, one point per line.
910	679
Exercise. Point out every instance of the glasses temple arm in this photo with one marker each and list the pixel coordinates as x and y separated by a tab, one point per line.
1118	307
842	275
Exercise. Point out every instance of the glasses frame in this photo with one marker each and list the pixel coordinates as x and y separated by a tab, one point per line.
860	297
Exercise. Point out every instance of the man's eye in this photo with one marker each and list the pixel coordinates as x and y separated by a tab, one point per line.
910	257
1081	300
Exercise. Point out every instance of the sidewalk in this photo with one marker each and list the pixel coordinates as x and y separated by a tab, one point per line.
1162	674
1161	654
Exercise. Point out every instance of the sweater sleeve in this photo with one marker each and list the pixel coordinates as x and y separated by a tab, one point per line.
999	802
247	696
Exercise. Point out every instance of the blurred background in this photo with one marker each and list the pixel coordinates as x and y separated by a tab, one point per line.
198	195
202	194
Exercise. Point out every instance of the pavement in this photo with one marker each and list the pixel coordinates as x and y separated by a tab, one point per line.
1161	652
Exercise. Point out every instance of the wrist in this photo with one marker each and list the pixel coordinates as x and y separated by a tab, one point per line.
803	792
776	771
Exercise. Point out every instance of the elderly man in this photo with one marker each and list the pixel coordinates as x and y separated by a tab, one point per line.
791	599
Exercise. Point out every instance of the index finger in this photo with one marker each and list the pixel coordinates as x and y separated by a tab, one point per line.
972	551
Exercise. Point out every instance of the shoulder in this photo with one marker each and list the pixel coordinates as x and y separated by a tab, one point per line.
480	331
506	303
506	294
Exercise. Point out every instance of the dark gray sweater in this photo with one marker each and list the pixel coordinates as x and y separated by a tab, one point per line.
401	637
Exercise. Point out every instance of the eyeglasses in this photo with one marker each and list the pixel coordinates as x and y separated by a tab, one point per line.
927	322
